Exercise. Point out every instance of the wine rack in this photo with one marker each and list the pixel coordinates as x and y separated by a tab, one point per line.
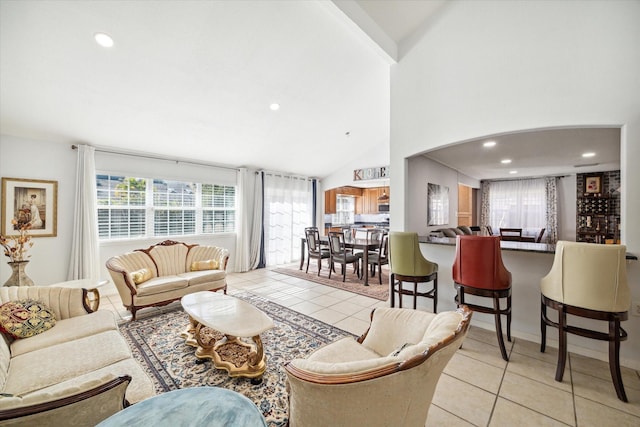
595	222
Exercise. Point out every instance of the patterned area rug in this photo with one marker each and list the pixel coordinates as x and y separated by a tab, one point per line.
156	344
352	283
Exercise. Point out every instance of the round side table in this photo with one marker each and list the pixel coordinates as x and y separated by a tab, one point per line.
92	298
188	407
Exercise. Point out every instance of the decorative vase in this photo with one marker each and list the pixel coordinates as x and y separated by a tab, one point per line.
18	277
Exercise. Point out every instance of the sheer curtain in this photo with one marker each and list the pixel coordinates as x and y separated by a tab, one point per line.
288	205
485	206
518	204
85	261
249	214
551	190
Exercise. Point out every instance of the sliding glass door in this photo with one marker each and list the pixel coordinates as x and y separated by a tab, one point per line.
288	206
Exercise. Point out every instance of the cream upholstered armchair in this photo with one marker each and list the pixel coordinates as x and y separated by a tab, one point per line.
401	356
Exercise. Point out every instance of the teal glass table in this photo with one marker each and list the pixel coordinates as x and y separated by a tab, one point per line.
196	406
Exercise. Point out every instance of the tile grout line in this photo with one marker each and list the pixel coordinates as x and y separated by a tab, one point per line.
573	391
504	373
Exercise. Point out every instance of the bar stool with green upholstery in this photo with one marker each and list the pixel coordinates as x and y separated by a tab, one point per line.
407	264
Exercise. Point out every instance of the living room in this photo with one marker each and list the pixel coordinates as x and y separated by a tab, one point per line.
473	70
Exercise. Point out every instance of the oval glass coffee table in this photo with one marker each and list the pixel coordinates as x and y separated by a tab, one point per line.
218	324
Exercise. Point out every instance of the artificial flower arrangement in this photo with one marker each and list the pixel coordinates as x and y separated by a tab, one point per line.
16	247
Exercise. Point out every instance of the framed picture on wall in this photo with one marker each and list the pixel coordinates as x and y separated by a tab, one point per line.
593	184
29	201
437	204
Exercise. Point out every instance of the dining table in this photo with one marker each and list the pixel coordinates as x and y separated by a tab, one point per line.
351	242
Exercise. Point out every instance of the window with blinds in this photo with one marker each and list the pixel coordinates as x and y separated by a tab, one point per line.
144	207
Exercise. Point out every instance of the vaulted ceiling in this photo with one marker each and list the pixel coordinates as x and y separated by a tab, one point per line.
195	80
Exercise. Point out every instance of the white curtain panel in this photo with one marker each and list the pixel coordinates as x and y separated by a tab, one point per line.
256	231
288	208
518	204
249	214
85	261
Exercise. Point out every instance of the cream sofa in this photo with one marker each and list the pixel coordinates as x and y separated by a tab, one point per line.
169	273
75	373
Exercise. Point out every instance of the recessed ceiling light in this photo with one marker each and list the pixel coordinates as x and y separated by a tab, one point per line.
489	144
103	39
274	107
513	172
505	161
590	154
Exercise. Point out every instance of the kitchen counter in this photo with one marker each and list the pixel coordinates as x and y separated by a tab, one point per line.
542	248
506	245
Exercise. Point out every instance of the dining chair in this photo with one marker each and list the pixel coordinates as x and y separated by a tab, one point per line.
478	270
314	249
533	239
407	264
339	253
489	230
511	234
589	281
379	257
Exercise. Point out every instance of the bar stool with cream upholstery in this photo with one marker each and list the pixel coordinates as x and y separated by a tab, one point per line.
478	270
407	264
589	281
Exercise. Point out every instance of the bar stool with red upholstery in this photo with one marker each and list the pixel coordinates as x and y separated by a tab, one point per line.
478	270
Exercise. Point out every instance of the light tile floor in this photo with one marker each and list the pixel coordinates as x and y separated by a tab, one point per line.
477	387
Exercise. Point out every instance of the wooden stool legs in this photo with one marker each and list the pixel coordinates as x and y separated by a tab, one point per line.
614	336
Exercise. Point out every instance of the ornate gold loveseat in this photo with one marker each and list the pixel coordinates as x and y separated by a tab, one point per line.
167	271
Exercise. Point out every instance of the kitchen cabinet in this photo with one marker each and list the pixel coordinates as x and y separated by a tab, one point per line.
330	197
330	201
370	199
366	198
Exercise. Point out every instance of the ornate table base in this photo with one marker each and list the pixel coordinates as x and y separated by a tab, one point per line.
239	358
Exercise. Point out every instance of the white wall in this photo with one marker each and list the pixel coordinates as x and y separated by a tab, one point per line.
491	67
22	158
567	188
423	171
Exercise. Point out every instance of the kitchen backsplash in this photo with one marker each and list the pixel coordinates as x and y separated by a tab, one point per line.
358	218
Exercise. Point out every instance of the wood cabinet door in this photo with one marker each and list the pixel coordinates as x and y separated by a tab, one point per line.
330	201
465	205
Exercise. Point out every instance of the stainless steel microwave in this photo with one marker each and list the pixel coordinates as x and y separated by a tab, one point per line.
383	207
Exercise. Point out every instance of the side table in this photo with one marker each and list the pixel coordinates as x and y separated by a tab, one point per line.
92	298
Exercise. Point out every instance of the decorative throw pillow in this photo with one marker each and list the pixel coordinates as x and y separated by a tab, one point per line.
26	318
210	264
140	276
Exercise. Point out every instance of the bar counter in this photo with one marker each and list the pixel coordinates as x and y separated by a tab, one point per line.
528	263
543	248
